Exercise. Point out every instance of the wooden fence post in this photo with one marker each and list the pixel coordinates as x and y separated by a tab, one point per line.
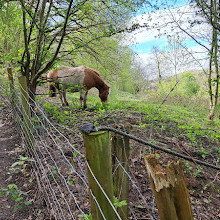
98	155
11	85
120	149
27	125
169	188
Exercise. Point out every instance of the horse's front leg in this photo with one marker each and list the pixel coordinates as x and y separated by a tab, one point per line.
61	97
83	98
62	94
64	98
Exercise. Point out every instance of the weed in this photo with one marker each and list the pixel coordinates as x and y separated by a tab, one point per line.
85	217
16	195
197	172
20	166
203	152
118	204
54	173
71	182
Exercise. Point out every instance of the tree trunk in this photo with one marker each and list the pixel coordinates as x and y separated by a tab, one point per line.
32	92
213	60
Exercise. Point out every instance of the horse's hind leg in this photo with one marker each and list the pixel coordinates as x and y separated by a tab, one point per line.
83	98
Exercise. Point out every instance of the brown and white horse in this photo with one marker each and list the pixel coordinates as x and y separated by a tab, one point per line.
78	79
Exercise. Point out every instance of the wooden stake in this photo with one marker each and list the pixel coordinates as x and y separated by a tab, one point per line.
120	148
12	91
98	155
27	125
169	188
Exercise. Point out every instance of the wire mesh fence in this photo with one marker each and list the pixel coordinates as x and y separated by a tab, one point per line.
60	164
61	167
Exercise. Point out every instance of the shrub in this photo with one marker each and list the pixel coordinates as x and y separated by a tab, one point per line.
190	84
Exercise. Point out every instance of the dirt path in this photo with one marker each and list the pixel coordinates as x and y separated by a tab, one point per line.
9	151
8	139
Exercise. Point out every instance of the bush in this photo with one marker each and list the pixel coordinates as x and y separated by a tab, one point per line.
190	84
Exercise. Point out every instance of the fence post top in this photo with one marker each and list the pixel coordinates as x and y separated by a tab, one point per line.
88	128
95	133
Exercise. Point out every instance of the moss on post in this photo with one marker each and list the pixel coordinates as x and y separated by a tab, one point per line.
120	148
169	188
98	155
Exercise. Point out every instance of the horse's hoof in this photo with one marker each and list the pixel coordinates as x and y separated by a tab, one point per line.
65	104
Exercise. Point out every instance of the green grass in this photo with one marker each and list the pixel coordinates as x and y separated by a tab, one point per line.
189	121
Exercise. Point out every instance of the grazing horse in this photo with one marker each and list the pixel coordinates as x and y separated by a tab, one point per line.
77	79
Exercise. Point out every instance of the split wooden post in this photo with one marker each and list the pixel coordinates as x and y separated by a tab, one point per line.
11	85
120	149
169	188
27	125
98	155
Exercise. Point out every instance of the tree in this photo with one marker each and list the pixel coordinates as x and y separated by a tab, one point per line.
140	80
54	29
11	40
176	55
205	13
211	11
158	58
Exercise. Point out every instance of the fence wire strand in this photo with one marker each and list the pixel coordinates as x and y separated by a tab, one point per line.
63	178
48	142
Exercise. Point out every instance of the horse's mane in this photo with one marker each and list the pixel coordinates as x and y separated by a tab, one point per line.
95	71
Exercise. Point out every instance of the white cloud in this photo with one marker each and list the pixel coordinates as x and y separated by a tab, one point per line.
161	23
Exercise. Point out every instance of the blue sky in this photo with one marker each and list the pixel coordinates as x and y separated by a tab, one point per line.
145	45
142	41
161	42
162	4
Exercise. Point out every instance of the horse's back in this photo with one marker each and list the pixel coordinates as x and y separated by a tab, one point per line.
81	75
74	75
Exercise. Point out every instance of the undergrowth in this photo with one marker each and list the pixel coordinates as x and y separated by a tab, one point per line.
175	120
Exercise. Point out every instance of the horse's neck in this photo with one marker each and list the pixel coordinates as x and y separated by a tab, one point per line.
100	85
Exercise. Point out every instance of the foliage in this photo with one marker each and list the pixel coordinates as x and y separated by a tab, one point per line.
11	41
190	84
85	217
118	204
187	86
20	166
178	116
53	31
16	195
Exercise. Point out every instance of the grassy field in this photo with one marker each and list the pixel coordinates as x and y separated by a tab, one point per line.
177	116
179	124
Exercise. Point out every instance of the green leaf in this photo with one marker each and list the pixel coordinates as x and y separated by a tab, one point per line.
27	202
18	199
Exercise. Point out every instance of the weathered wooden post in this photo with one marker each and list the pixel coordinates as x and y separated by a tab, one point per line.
11	85
169	188
120	149
98	154
27	125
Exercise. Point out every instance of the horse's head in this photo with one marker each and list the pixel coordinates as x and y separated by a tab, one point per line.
104	95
